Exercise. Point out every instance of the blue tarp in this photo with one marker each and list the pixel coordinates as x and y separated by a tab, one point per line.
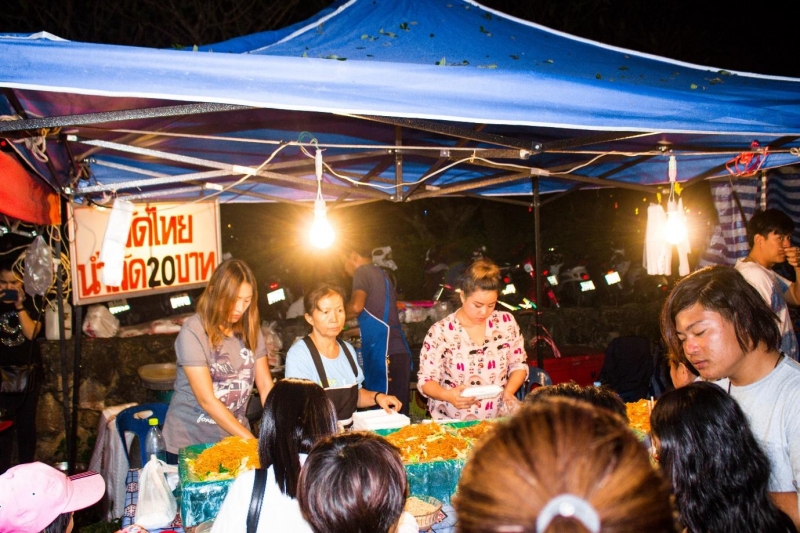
439	67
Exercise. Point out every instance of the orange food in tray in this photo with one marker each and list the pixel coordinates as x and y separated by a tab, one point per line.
639	415
434	442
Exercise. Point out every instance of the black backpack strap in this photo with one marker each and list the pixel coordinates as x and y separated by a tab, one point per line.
259	484
316	357
349	355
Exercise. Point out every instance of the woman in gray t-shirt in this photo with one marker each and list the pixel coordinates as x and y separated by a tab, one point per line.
221	354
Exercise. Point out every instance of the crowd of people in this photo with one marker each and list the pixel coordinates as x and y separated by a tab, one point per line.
723	454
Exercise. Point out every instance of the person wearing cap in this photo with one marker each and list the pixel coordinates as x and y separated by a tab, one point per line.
35	497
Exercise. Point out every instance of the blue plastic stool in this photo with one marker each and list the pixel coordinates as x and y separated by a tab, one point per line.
134	419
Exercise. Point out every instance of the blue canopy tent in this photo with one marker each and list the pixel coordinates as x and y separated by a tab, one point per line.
408	99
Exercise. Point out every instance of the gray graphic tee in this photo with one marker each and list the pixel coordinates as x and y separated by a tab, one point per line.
232	368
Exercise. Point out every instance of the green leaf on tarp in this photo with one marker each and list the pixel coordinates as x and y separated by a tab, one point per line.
598	76
404	26
623	67
492	66
549	61
693	86
441	62
487	16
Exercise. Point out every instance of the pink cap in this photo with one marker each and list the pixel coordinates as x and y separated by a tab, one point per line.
32	495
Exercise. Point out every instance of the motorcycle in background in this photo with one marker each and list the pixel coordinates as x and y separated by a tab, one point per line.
275	299
519	287
575	286
627	281
448	276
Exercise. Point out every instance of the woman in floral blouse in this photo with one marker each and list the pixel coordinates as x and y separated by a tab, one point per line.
476	345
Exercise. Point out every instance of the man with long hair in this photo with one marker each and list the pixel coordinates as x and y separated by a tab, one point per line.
720	323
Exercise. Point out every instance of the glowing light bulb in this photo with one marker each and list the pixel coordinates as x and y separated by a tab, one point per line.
321	234
675	231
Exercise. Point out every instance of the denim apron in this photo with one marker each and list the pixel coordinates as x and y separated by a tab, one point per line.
375	345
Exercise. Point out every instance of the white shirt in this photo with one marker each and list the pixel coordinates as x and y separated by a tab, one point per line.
772	405
772	288
279	512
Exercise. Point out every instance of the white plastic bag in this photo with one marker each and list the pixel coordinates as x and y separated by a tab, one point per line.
38	275
273	342
156	507
99	322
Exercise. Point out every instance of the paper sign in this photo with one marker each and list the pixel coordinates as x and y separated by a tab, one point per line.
170	246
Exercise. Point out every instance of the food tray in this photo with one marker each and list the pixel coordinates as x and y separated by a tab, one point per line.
200	500
379	419
482	392
438	479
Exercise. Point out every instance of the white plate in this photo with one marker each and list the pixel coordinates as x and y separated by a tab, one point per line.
482	391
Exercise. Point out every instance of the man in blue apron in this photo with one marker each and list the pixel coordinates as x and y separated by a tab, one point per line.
384	349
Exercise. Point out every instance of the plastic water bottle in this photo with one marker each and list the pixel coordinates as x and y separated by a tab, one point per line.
154	442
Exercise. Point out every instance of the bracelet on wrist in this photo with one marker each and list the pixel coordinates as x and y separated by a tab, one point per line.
375	398
20	309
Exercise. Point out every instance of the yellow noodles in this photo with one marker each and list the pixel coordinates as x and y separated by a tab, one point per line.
431	442
226	459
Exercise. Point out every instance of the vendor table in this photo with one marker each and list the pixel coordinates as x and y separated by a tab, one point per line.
434	478
201	500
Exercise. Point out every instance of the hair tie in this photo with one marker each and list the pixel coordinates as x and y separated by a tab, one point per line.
569	506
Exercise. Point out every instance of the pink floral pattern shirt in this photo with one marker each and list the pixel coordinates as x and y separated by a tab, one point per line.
449	357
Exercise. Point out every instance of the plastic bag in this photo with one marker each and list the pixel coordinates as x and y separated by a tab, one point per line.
99	322
38	275
156	507
273	342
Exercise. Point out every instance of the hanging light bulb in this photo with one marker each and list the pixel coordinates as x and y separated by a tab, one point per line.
675	231
321	234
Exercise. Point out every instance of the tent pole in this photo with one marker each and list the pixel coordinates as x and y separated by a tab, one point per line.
77	319
69	439
398	165
538	260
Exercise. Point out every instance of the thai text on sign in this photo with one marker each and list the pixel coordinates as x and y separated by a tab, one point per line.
170	246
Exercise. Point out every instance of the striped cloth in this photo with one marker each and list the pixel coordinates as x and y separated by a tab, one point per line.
783	193
729	241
